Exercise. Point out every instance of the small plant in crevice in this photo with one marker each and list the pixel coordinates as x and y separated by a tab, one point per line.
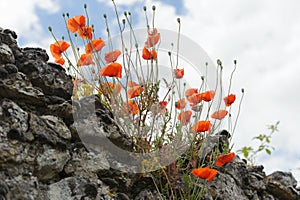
264	145
153	103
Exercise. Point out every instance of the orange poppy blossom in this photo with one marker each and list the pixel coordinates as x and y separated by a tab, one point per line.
85	59
225	158
180	104
109	87
112	70
185	117
201	126
163	104
191	91
60	61
58	48
220	114
76	23
94	45
205	173
195	99
153	38
131	107
178	73
208	95
134	91
149	55
86	32
229	99
132	84
112	56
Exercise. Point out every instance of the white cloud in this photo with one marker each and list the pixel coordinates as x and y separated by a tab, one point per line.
21	16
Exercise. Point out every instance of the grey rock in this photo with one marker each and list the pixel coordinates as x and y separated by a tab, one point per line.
14	121
72	188
43	134
57	125
50	163
50	78
11	68
6	54
18	88
148	195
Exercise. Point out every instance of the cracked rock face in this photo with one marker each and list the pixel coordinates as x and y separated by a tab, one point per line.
42	155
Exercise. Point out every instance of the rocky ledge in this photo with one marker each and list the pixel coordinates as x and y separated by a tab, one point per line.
42	156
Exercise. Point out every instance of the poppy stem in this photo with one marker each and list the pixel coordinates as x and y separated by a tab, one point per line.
239	110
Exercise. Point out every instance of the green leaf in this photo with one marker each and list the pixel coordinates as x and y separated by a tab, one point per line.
268	151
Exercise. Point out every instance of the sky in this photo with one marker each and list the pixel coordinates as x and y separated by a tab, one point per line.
263	36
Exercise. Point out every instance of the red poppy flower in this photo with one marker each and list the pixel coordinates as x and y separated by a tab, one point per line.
153	38
191	91
205	173
58	48
162	104
195	99
229	99
149	55
225	158
185	117
86	32
112	56
131	107
132	84
220	114
208	95
75	23
201	126
94	45
60	61
109	87
178	73
112	70
180	104
134	91
85	59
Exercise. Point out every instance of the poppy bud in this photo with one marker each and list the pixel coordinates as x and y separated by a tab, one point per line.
50	29
243	90
104	15
153	7
85	6
145	8
178	20
219	62
63	14
125	13
235	61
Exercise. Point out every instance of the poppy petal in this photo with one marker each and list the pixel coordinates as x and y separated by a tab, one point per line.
85	59
220	114
178	73
229	99
112	70
225	158
94	46
185	117
201	126
112	56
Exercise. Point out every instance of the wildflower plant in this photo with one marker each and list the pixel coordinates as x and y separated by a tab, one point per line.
165	94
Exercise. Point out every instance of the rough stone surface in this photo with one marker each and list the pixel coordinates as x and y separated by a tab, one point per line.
42	155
